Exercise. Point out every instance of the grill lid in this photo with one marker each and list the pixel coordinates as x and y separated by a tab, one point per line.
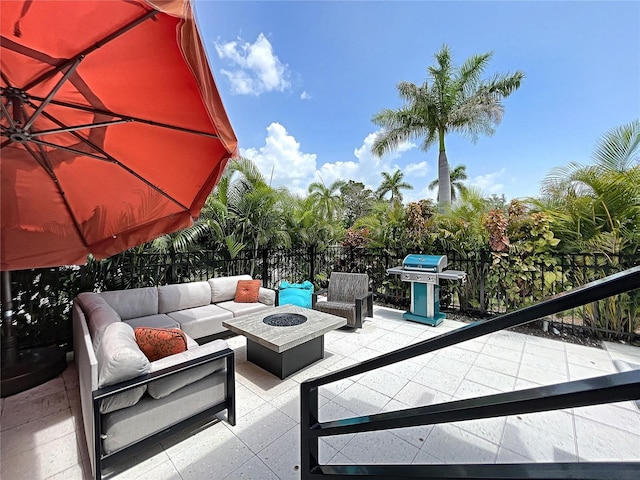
425	263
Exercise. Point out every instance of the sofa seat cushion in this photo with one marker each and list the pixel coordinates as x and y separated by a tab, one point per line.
340	309
181	296
120	359
201	321
134	302
157	343
224	288
160	320
167	385
150	416
239	309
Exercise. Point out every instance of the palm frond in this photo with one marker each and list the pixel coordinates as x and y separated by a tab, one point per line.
619	149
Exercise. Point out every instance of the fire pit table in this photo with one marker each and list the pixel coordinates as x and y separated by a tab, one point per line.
285	339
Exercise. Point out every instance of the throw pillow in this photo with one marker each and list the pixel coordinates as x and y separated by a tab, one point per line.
247	291
157	343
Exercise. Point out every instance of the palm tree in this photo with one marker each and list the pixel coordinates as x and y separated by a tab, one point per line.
392	183
456	177
597	207
385	224
327	199
452	99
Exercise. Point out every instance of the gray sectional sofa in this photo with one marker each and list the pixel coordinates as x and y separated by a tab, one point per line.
129	402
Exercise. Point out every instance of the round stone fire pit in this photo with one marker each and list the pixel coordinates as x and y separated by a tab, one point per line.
285	319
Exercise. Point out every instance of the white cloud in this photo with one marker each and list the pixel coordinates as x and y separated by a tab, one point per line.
281	155
489	183
367	168
305	96
420	169
294	169
255	67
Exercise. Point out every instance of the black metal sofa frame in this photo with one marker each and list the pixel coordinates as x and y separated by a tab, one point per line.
104	460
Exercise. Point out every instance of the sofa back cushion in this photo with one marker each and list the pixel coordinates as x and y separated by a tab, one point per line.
223	289
172	298
120	359
134	302
98	314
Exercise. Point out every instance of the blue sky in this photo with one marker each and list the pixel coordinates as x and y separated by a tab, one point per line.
301	80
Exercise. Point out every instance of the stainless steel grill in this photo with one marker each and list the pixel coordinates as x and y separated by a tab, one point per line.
425	272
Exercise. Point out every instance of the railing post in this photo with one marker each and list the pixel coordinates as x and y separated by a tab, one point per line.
312	264
483	259
172	271
265	267
308	416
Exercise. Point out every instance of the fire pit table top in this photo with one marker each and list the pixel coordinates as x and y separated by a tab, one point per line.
281	338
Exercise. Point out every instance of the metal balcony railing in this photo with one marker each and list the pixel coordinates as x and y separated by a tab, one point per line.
592	391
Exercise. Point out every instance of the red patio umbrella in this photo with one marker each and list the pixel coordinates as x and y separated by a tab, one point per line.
112	133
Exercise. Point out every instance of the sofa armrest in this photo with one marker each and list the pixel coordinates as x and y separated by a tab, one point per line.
368	297
267	296
314	296
111	390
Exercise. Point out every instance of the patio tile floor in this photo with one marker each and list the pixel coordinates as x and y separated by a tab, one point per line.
41	429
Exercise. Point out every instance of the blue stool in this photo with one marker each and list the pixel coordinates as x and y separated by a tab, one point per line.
298	294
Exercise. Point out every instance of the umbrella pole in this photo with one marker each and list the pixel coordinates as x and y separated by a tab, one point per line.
9	340
22	370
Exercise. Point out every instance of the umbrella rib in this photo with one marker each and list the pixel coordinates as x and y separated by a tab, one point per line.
55	89
77	127
5	113
6	79
90	49
45	163
108	157
130	119
68	149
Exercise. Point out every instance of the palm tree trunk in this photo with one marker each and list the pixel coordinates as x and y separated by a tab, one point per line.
444	178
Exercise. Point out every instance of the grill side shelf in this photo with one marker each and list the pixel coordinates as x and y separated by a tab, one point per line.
454	275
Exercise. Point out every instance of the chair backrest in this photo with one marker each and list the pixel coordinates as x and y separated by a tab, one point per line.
345	287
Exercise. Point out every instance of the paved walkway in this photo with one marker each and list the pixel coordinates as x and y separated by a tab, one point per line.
42	437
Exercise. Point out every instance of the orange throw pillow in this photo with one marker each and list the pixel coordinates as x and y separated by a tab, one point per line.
157	343
247	291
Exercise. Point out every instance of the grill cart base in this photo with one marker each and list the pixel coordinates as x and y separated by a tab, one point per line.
433	321
424	272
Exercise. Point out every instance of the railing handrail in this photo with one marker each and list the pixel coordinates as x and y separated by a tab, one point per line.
592	391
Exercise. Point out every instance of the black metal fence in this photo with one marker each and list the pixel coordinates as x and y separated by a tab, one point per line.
496	283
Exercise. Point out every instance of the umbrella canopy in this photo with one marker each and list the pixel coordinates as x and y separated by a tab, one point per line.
113	131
